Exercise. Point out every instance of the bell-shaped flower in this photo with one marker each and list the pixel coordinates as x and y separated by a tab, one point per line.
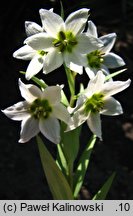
41	111
65	42
95	100
102	58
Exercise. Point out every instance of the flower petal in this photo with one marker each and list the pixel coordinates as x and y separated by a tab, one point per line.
77	119
92	29
108	41
36	64
40	41
52	22
95	84
75	61
32	28
111	107
87	43
52	94
76	68
76	21
50	128
94	123
25	53
17	112
60	112
91	72
112	60
52	61
29	129
29	92
112	88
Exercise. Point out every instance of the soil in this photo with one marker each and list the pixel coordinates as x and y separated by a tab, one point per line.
21	174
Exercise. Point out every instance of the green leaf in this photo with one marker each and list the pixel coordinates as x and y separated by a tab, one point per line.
83	165
70	143
102	193
61	161
58	185
39	82
115	74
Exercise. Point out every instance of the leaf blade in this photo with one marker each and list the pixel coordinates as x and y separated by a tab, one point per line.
102	193
83	165
58	185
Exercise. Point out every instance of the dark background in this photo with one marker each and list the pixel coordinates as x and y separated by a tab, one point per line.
21	175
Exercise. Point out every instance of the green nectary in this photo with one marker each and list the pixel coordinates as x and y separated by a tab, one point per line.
95	59
94	104
42	52
40	108
65	41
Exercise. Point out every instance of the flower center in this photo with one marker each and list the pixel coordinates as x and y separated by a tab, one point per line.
95	59
94	104
65	41
41	52
40	109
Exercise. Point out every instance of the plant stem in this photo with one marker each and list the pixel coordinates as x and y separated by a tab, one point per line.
71	82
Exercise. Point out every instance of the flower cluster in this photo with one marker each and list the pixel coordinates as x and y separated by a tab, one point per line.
75	44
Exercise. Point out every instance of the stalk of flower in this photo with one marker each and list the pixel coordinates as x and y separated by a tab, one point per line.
39	112
65	42
102	58
96	100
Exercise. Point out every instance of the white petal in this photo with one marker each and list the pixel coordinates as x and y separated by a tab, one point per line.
60	112
112	60
52	61
108	41
52	94
77	119
36	64
29	129
25	53
32	28
76	68
111	107
40	41
17	112
87	43
94	123
90	72
75	61
95	84
50	128
52	23
29	92
111	88
92	29
76	21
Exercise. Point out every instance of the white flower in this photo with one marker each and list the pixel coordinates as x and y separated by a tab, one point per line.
32	28
102	58
39	112
36	57
65	42
97	100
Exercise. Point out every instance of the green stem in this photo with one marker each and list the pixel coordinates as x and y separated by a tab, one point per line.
71	82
